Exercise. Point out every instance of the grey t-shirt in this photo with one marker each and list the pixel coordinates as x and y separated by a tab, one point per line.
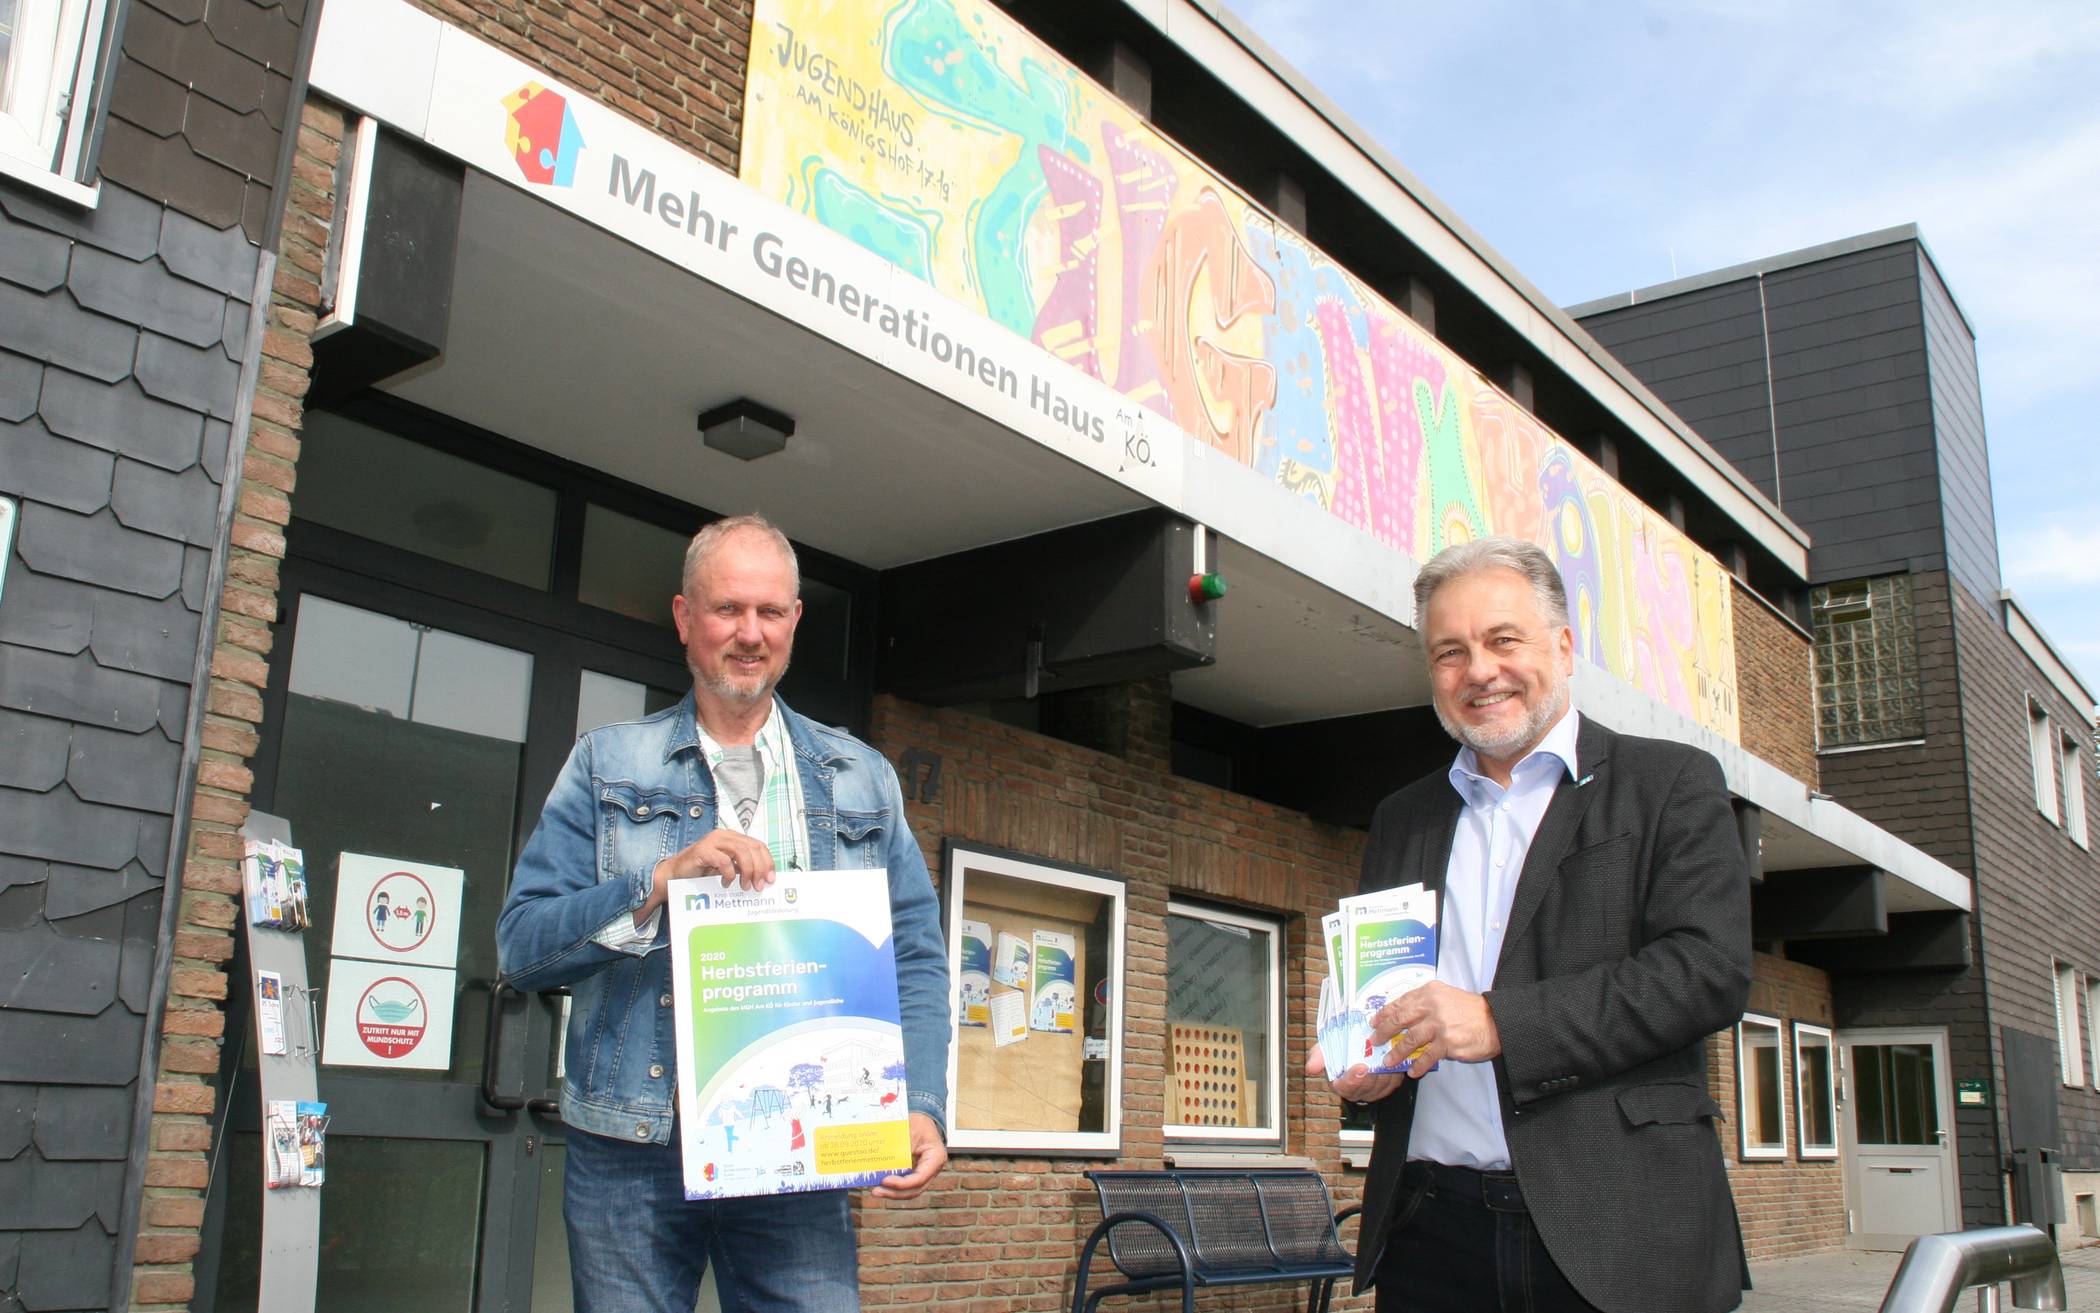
741	776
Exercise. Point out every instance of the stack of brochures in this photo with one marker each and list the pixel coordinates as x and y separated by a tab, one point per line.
1379	946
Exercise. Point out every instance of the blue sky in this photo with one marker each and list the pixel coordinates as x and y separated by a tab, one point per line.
1602	146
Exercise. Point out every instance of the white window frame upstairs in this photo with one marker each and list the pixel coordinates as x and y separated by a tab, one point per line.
2071	773
47	92
2070	1050
2041	747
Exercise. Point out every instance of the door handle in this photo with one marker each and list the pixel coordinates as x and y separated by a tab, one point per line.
546	1105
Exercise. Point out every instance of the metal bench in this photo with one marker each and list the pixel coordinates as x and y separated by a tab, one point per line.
1210	1227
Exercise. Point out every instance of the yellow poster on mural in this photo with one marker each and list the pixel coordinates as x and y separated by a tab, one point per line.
944	137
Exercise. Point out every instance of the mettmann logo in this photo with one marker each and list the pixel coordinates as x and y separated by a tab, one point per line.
698	902
541	135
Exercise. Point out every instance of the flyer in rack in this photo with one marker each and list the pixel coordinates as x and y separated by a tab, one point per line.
791	1069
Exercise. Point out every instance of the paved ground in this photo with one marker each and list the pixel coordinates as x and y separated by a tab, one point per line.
1846	1281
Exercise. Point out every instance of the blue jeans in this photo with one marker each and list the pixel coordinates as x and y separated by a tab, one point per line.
638	1245
1463	1243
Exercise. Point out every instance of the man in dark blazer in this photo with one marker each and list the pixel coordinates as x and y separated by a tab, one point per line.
1552	1145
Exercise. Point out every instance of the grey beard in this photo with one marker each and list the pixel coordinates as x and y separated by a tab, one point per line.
729	692
1523	736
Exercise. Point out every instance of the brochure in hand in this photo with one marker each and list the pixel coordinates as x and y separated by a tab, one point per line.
1380	945
791	1069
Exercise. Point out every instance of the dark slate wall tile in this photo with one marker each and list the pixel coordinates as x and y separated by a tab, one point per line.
67	1269
169	171
53	615
149	636
17	1119
221	259
202	380
50	972
16	872
147	100
124	770
97	549
174	710
196	577
121	419
75	688
242	140
20	380
84	1125
122	222
233	336
58	826
22	907
51	328
182	506
212	453
264	34
60	1196
277	98
10	1264
256	208
33	750
37	466
101	1050
78	890
145	293
188	53
141	944
152	844
182	11
33	259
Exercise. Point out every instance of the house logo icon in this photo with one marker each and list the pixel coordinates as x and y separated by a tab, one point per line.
541	135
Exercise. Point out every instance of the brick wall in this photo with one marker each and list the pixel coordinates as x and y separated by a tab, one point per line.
676	68
1775	687
1793	1205
178	1170
1001	1232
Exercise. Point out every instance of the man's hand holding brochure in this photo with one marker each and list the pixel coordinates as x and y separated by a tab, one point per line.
1380	946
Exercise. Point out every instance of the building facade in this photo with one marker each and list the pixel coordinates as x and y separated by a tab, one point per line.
1842	379
365	370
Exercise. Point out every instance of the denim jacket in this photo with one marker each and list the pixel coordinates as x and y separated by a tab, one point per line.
636	792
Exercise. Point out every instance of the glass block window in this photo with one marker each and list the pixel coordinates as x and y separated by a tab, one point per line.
1866	663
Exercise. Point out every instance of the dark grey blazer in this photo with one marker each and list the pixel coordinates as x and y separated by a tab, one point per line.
1628	944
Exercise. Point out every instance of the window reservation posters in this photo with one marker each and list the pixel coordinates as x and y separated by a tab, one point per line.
790	1054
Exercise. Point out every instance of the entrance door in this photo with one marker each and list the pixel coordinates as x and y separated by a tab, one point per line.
1900	1180
414	731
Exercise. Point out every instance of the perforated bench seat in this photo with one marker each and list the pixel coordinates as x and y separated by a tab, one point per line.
1199	1227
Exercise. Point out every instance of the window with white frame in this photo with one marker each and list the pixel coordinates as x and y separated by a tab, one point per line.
2070	1052
2041	746
47	77
2071	773
2092	1007
1224	1025
1760	1087
1815	1089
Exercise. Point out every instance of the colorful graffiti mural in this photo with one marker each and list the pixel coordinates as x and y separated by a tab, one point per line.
944	137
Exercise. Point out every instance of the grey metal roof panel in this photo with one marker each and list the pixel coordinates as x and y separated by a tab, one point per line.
242	140
219	258
17	1120
264	34
75	688
58	826
170	171
124	770
20	380
183	506
148	636
84	1125
148	100
68	1269
145	293
54	615
32	258
51	972
78	890
202	379
99	1050
122	222
36	1195
122	419
38	465
33	750
97	549
52	328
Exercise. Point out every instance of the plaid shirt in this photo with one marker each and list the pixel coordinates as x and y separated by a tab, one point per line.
780	822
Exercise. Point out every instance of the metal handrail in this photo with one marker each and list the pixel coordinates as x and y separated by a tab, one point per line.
1937	1268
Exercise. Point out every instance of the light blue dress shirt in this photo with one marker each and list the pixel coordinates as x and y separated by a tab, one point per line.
1458	1114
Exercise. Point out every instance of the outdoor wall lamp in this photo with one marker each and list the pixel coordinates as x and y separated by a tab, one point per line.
746	430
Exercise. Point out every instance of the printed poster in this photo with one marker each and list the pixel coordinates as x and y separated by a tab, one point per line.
791	1068
1055	991
388	910
974	977
381	1014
